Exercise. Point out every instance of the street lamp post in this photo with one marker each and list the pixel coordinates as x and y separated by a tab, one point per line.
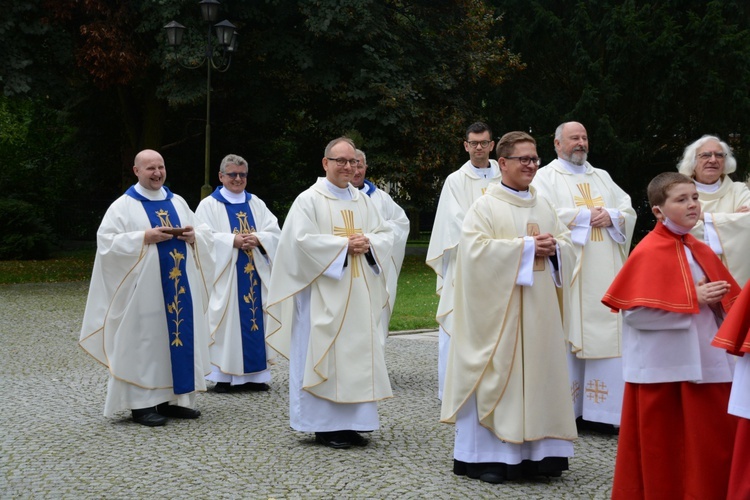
217	56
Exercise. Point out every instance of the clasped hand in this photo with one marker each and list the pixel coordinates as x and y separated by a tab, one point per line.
545	245
600	217
711	292
246	242
358	244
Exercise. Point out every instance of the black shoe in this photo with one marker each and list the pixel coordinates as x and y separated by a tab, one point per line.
335	440
174	411
148	417
489	472
492	477
222	387
255	387
355	438
459	467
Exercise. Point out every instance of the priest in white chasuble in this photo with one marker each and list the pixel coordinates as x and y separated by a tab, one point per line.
145	317
506	385
601	219
460	190
327	295
246	235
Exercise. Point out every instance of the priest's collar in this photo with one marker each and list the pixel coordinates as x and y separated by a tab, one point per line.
485	172
232	197
708	188
340	193
160	194
572	167
521	194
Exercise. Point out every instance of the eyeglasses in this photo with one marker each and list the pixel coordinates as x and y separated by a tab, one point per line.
707	156
343	161
233	175
474	144
525	160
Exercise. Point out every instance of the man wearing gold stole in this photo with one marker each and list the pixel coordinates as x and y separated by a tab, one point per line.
506	384
601	219
327	295
145	317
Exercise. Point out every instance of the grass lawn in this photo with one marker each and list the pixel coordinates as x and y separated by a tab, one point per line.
66	265
416	302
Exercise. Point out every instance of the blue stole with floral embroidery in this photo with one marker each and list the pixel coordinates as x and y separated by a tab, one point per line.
178	302
241	221
369	188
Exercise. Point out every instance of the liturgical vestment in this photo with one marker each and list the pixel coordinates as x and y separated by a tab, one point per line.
460	190
507	351
325	308
236	313
732	229
395	217
595	335
676	437
145	319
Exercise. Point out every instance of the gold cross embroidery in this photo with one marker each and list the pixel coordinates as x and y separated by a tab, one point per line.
346	231
585	200
596	391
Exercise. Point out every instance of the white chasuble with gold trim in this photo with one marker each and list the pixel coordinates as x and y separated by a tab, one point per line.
345	360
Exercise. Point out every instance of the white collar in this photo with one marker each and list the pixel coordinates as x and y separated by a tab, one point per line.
161	194
340	193
232	197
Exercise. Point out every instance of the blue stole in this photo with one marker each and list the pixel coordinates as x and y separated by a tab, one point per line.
369	188
178	303
241	221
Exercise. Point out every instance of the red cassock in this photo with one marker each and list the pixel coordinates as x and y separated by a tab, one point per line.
733	336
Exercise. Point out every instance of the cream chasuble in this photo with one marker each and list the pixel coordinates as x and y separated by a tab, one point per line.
508	346
124	325
345	359
733	229
224	308
594	331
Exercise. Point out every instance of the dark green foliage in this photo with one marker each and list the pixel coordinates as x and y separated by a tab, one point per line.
645	78
25	234
88	84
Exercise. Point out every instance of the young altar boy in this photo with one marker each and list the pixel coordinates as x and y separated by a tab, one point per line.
676	438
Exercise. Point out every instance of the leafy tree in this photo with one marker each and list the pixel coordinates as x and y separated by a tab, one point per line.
645	78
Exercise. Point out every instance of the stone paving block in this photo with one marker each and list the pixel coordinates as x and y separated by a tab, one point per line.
55	442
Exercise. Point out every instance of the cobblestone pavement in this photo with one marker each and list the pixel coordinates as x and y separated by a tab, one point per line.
55	443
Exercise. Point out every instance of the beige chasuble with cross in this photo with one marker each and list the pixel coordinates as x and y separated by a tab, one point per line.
508	345
346	353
